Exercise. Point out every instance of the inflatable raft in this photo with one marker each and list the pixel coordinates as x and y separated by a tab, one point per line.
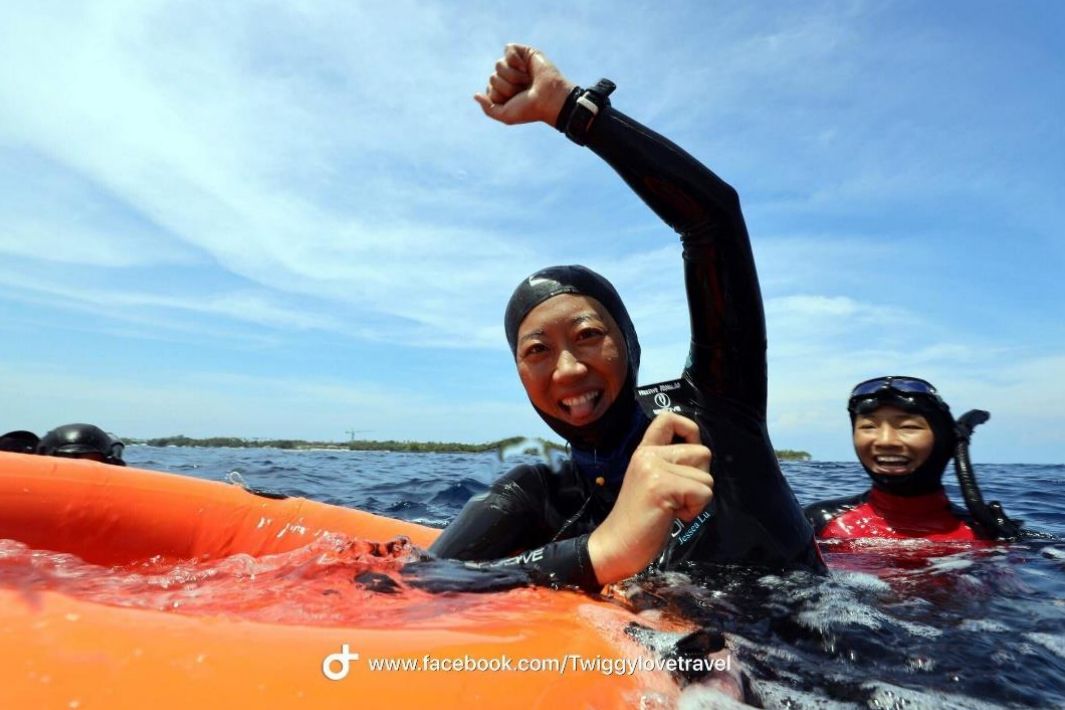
122	587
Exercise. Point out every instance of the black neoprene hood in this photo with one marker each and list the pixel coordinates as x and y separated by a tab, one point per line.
75	439
573	279
610	429
20	441
928	477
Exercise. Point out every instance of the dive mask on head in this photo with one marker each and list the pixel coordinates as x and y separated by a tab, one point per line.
878	391
911	394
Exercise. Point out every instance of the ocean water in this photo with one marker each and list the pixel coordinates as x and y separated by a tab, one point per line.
914	625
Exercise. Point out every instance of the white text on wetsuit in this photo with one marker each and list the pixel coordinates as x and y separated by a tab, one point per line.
522	559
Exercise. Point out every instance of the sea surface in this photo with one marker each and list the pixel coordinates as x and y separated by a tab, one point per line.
906	625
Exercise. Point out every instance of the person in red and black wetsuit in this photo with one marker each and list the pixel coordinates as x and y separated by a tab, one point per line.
638	485
904	435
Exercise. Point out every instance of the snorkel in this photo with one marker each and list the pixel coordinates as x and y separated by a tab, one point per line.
993	521
952	438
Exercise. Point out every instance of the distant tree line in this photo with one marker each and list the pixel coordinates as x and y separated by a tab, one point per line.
792	455
524	444
520	443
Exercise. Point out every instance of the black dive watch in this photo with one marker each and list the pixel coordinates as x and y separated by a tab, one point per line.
584	107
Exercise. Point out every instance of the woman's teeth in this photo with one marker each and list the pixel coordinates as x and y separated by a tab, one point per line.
581	405
893	464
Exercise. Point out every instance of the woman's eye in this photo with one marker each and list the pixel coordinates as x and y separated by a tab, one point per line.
534	349
587	333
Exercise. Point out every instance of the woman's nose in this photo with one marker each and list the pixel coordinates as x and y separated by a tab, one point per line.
568	365
887	435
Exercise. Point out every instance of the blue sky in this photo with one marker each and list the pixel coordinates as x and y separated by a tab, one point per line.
274	219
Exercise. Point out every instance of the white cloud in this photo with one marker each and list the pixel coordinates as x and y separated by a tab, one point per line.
312	172
153	309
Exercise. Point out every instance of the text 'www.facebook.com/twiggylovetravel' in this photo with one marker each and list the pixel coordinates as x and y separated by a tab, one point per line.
337	666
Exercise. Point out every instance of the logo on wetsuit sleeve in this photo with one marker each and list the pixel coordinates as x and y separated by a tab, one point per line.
522	559
689	530
656	399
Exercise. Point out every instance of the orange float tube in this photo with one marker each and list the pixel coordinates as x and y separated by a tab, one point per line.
59	650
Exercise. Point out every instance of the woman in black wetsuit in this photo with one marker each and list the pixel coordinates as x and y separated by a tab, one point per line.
635	491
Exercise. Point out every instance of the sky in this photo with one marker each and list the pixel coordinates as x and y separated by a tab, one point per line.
291	220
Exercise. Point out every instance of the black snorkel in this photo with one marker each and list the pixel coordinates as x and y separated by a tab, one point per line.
991	519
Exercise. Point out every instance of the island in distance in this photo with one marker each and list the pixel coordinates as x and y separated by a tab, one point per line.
510	445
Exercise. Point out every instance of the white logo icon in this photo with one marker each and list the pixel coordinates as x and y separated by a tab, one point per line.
662	400
344	657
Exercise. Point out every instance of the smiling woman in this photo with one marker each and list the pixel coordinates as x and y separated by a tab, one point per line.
904	435
576	351
641	486
893	442
571	358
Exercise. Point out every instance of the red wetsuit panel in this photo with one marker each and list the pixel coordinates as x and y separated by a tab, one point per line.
892	517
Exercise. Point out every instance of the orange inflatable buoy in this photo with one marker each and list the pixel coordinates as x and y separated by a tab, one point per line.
121	587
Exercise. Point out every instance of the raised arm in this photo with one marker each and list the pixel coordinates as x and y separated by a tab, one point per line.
728	342
667	477
727	356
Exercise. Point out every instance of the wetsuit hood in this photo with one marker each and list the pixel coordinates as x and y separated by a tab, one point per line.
81	440
20	441
928	477
615	428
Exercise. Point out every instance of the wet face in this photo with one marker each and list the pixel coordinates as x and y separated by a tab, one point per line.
892	442
571	358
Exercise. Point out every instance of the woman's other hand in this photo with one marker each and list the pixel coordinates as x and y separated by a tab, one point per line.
524	88
664	481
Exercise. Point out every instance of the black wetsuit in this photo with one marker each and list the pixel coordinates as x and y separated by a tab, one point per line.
540	519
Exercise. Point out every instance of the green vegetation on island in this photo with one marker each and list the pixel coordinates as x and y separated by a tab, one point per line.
792	455
513	444
520	444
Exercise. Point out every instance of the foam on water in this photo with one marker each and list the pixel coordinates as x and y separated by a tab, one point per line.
1054	642
1056	553
885	695
333	581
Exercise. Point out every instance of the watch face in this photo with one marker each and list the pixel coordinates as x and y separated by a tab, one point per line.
605	87
585	110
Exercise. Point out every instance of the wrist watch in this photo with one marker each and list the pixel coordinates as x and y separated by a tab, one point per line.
586	109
